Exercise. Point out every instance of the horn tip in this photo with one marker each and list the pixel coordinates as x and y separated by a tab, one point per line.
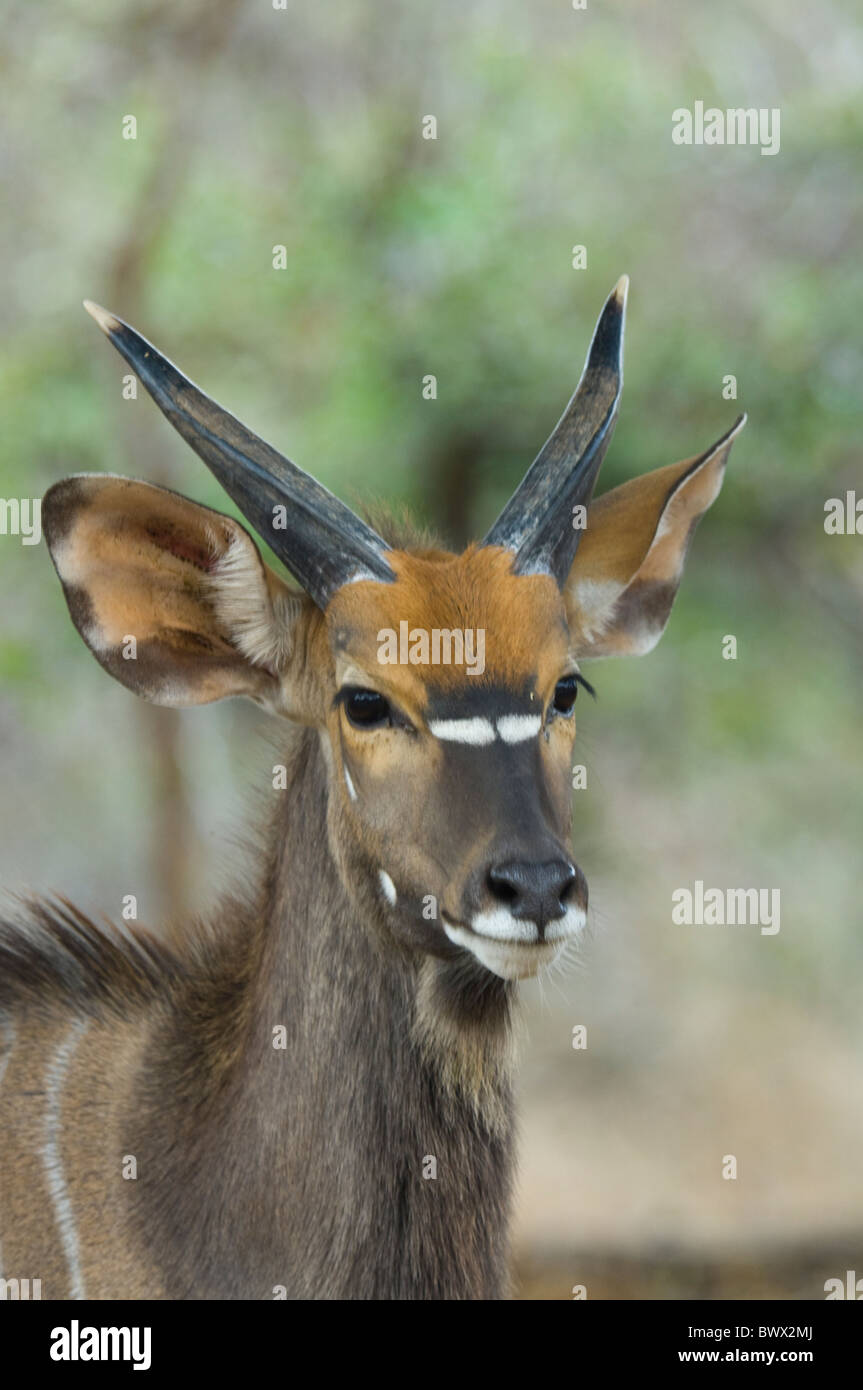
107	322
620	291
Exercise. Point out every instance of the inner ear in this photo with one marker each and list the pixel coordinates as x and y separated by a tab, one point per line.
172	598
200	550
628	567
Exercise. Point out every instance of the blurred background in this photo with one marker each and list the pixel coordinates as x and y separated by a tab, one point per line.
302	128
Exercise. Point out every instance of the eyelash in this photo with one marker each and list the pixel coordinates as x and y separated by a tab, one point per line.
571	682
389	716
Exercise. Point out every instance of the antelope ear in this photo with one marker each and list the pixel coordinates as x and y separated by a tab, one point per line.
173	599
629	564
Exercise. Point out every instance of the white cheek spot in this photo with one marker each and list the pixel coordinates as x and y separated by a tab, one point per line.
352	791
389	888
515	728
477	732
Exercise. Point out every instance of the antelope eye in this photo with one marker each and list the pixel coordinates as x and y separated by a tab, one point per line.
564	695
366	708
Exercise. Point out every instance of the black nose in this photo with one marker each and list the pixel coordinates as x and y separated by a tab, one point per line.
539	892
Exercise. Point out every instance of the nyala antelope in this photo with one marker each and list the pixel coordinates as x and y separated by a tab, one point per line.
313	1090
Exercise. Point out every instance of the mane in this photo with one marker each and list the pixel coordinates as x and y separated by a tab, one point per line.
55	959
400	530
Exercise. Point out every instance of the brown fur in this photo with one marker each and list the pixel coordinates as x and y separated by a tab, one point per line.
526	637
256	1168
305	1169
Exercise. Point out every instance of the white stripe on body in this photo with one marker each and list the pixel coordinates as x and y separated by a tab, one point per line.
52	1157
8	1029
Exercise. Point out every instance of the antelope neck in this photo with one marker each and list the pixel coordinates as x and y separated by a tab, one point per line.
342	1156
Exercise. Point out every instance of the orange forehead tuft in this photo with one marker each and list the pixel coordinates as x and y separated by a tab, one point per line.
522	617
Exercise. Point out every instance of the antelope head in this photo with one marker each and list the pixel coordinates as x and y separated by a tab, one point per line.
443	686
